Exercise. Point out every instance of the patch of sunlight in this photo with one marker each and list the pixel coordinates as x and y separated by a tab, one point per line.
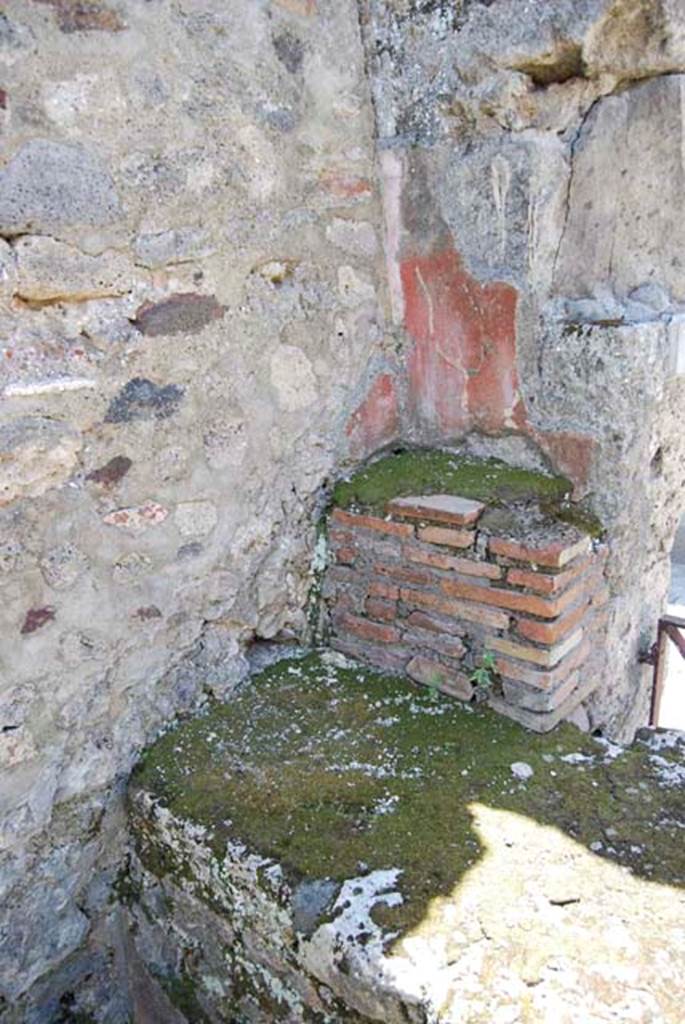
542	930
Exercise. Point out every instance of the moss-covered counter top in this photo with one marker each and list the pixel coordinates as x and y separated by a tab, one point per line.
332	773
491	481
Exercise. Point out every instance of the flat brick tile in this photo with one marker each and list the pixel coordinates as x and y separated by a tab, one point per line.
478	614
529	697
446	537
543	680
450	563
389	659
435	624
544	583
546	720
379	588
553	632
545	656
544	607
433	673
345	556
554	555
366	630
438	508
404	575
377	608
450	646
359	522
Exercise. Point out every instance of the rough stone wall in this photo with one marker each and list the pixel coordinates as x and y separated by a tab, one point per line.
195	337
190	254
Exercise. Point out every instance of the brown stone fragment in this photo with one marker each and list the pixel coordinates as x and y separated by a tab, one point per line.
438	508
84	16
433	673
149	612
37	617
443	535
349	519
554	554
112	472
185	313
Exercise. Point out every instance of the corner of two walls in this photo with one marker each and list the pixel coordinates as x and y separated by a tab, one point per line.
532	212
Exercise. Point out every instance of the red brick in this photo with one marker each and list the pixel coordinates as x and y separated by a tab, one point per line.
438	508
544	583
361	522
534	699
548	657
378	588
399	572
448	562
342	538
552	632
449	538
450	646
368	630
391	659
456	609
433	673
543	680
501	598
422	620
554	555
376	608
345	556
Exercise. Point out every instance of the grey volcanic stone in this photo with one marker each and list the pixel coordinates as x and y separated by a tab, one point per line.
48	185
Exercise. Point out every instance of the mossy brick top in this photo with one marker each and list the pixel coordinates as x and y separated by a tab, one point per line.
490	481
334	771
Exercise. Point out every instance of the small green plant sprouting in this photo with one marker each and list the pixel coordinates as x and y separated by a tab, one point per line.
483	676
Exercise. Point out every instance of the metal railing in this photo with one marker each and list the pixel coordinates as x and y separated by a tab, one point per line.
670	628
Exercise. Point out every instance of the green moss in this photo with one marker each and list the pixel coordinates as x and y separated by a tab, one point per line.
327	770
433	472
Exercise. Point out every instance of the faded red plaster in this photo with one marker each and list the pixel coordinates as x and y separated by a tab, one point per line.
376	422
462	369
571	454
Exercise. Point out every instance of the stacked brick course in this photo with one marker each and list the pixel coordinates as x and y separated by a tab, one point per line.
432	586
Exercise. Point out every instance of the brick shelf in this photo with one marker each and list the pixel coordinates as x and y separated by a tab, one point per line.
426	590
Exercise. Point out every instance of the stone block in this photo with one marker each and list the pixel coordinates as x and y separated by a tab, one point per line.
186	313
51	271
36	454
48	186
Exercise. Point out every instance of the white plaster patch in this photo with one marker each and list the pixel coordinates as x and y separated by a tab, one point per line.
195	518
293	377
